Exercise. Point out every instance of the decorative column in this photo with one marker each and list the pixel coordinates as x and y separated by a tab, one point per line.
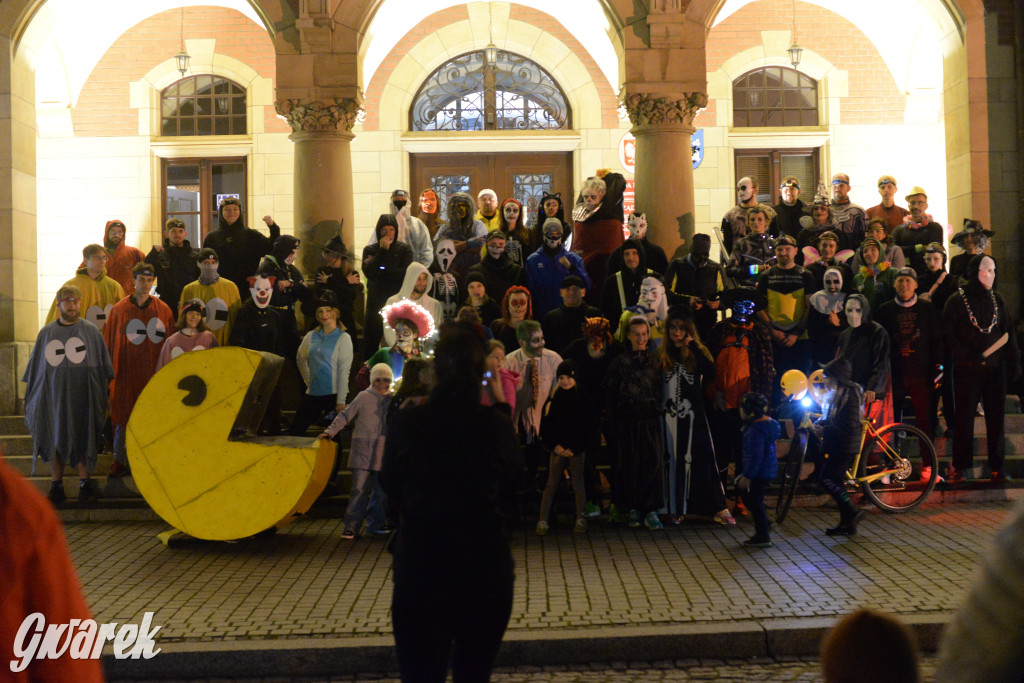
323	173
663	125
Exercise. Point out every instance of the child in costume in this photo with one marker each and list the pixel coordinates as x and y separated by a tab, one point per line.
369	411
760	462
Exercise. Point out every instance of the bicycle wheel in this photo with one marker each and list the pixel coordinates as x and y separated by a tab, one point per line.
907	456
790	474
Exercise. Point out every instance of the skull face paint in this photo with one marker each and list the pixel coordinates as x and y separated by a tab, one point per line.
511	213
445	253
517	305
744	190
261	288
637	226
854	312
405	334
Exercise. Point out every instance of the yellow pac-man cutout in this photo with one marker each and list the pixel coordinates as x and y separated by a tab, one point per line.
190	468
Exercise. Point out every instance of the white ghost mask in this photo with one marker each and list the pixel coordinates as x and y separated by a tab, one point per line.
445	253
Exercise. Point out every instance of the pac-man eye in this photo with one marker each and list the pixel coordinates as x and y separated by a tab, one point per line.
196	388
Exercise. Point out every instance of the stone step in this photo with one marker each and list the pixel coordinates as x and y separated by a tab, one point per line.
13	424
15	445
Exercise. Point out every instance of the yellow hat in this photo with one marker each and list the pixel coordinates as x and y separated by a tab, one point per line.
916	190
886	179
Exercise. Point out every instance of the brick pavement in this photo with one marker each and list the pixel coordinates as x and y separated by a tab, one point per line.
307	582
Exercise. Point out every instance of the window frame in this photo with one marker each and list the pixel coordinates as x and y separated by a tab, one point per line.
744	85
230	118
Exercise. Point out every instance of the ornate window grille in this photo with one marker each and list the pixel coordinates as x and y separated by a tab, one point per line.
472	93
203	105
774	96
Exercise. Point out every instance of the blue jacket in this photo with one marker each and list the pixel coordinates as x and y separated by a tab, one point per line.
544	275
760	460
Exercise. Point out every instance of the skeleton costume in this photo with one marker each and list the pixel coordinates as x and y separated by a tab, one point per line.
823	334
692	483
66	392
219	295
463	228
521	241
446	284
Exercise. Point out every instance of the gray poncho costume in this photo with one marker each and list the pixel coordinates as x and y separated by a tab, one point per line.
66	399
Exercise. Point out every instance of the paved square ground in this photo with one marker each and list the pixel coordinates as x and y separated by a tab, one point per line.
307	582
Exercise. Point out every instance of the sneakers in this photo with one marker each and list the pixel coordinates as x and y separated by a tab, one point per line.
739	510
542	528
652	522
758	542
118	469
56	494
591	510
88	491
581	526
634	519
725	517
348	535
614	514
1000	477
955	476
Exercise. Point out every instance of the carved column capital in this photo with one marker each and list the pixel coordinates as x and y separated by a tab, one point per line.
648	109
315	116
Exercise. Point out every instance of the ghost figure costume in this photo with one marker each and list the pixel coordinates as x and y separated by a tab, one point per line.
446	284
134	336
692	482
186	339
219	295
823	334
66	394
434	307
98	297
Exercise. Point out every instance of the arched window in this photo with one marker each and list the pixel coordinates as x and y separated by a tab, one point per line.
774	96
203	105
503	91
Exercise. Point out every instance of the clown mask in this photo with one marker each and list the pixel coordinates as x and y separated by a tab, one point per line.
638	226
261	288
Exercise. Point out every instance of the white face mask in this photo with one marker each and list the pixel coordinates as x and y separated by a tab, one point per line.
638	226
552	238
445	252
261	290
495	248
651	293
854	313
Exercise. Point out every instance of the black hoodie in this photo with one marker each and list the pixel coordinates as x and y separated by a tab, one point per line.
498	274
968	340
239	249
175	267
630	281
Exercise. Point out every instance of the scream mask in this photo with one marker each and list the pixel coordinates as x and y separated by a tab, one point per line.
445	253
261	288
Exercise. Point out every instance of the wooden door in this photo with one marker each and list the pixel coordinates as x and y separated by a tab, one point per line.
525	176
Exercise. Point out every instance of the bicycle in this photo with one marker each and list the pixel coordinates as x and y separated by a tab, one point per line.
896	466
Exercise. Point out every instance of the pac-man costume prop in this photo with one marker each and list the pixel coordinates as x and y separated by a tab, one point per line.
196	460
